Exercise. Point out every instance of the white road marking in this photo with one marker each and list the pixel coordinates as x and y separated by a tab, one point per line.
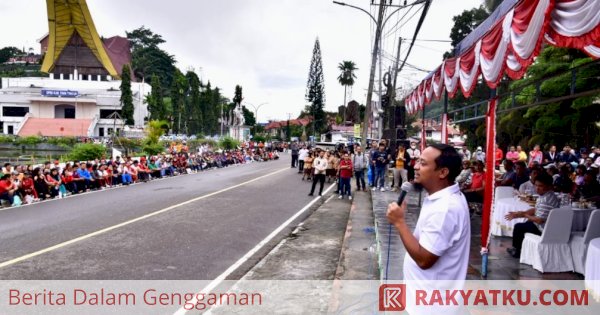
110	228
213	284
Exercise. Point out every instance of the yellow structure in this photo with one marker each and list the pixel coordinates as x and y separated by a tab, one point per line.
66	18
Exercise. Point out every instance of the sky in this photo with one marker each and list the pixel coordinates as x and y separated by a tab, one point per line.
263	45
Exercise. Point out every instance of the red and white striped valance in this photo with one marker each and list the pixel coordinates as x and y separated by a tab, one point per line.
511	45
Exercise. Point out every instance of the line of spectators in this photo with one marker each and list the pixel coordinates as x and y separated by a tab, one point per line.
25	184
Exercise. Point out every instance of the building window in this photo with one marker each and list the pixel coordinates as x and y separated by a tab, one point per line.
428	134
10	111
109	131
11	130
106	113
101	132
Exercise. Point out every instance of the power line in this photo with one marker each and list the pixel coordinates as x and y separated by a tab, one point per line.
420	23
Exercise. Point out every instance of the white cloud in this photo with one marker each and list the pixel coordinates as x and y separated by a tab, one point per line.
263	45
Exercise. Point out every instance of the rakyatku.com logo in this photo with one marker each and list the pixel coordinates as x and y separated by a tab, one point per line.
392	297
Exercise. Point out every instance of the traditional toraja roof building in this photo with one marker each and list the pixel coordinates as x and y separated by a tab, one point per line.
81	95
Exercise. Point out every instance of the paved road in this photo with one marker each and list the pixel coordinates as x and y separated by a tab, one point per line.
195	240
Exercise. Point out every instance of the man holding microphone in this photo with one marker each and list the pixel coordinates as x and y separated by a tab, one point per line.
439	247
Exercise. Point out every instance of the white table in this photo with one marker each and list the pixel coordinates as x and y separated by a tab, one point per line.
581	217
592	268
500	226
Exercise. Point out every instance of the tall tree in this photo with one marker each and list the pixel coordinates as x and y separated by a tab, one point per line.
126	95
249	118
193	104
346	78
237	98
315	90
464	24
216	103
179	90
491	5
148	58
207	112
156	104
9	52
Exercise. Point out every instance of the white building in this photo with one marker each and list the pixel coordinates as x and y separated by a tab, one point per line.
80	95
58	107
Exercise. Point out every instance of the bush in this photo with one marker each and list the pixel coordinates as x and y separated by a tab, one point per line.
29	140
228	143
153	149
87	152
129	144
6	139
66	142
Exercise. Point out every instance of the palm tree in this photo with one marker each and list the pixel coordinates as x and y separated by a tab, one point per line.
346	79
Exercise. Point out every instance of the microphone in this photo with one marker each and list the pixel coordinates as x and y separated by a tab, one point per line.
406	187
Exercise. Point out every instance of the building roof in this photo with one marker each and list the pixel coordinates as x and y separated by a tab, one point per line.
283	123
55	127
65	20
433	125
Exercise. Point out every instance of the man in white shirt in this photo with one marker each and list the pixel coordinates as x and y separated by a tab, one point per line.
414	154
302	154
439	247
319	166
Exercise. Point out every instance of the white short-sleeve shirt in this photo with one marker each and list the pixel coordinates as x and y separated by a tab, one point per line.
443	229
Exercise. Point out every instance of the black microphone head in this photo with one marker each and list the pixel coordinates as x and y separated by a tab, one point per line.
407	186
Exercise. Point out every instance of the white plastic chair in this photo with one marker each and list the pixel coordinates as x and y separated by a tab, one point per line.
550	252
580	240
504	192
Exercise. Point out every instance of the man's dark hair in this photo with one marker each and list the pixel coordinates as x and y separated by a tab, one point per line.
5	177
509	163
544	178
449	159
519	163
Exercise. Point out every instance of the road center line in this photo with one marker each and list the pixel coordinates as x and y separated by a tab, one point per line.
110	228
213	284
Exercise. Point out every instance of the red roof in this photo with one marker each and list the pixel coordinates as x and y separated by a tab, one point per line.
283	123
118	51
55	127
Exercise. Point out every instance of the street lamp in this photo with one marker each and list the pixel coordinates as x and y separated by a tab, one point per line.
256	108
380	24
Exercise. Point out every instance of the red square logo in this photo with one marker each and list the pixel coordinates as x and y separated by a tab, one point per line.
392	297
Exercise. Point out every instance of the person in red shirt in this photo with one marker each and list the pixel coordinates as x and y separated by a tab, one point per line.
27	187
499	155
475	192
7	189
346	171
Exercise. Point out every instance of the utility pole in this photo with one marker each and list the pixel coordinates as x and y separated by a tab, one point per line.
372	73
392	99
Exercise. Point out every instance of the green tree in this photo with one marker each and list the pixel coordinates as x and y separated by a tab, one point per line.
154	130
315	91
193	104
248	116
179	90
208	113
572	121
491	5
148	58
156	103
126	96
464	24
346	78
9	52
